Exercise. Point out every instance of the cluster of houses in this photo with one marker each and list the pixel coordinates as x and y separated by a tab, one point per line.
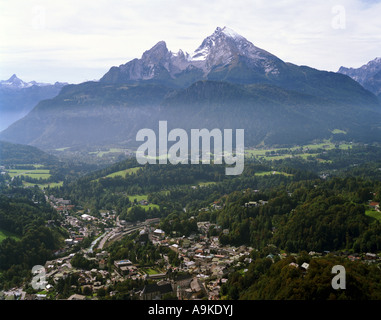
375	205
78	230
204	263
204	267
364	257
60	204
79	224
251	204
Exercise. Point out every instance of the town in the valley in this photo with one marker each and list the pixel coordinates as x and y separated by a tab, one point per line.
204	263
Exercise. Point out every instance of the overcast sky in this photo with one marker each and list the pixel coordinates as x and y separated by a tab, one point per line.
78	40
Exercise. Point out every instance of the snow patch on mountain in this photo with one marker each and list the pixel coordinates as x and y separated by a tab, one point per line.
231	33
16	83
220	49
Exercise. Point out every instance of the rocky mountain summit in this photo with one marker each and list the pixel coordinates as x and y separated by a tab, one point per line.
227	82
368	75
224	47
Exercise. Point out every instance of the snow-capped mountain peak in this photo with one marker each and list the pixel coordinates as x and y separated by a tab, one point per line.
226	45
219	39
230	33
16	83
222	48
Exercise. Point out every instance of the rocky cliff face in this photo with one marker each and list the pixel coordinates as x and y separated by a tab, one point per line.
369	75
224	47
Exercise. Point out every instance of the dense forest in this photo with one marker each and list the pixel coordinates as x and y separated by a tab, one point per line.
23	213
307	215
278	279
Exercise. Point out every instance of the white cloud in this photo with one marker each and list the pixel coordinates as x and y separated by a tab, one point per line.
77	40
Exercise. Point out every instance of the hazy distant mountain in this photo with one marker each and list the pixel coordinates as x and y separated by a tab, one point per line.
227	82
15	83
369	75
17	98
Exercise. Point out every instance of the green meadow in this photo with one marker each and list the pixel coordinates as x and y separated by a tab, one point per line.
29	164
205	184
37	173
267	173
373	214
62	149
123	173
111	150
338	131
43	185
6	234
297	151
151	271
138	197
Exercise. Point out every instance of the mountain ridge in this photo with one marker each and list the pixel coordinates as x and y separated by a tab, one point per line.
226	82
225	56
217	50
15	82
18	97
368	75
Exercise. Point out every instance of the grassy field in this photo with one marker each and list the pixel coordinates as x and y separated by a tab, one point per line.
267	173
111	150
151	206
37	174
123	173
284	156
43	185
298	151
205	184
5	234
337	131
62	149
28	164
147	207
151	271
138	197
307	155
373	214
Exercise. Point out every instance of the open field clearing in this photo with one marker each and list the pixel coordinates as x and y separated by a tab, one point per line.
298	151
123	173
374	214
111	150
268	173
43	185
6	234
36	174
